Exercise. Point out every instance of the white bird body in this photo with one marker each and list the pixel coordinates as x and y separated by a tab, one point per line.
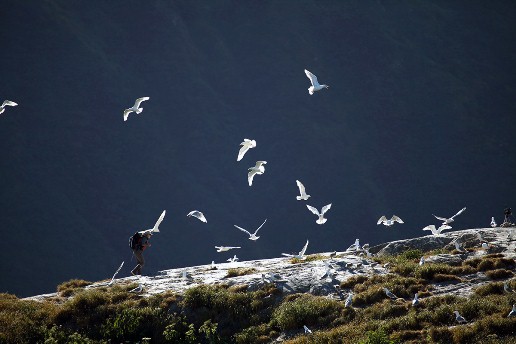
451	219
422	261
7	103
300	255
349	300
303	196
246	145
438	231
257	169
493	222
458	246
383	220
512	313
155	229
355	246
307	330
315	83
415	301
321	220
252	236
233	260
138	289
389	294
460	319
198	214
136	107
225	248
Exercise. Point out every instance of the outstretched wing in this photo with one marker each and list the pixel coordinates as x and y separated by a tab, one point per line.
312	77
460	212
139	101
256	231
382	219
287	255
260	163
313	210
250	177
440	218
156	226
397	219
301	188
9	102
325	208
302	252
126	114
429	228
245	147
243	230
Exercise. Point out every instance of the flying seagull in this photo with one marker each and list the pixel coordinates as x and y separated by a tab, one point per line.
493	222
436	232
307	330
233	260
321	218
300	255
390	222
302	191
117	271
451	219
252	236
136	107
6	103
315	84
512	313
246	145
225	248
389	294
155	229
197	214
256	169
460	319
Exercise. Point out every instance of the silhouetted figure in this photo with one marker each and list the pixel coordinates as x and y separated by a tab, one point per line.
140	246
507	220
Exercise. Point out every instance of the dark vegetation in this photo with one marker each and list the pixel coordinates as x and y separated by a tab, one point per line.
224	314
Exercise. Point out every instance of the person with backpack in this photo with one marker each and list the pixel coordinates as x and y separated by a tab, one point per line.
140	241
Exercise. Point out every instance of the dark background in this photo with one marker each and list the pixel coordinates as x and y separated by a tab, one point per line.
419	119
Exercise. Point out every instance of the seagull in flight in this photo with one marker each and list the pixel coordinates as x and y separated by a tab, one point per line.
256	169
198	214
390	222
225	248
253	235
6	103
451	219
117	271
246	145
315	83
302	191
389	294
493	222
321	218
155	229
233	260
300	255
436	232
136	107
460	319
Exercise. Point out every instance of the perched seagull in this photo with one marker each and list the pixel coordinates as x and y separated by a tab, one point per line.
321	218
6	103
436	232
333	255
185	275
349	300
422	261
307	330
315	84
117	271
246	145
390	222
198	214
138	289
225	248
389	294
327	273
252	236
212	266
451	219
300	255
136	107
355	246
458	246
302	191
459	318
155	229
513	312
493	222
415	301
506	287
233	260
256	169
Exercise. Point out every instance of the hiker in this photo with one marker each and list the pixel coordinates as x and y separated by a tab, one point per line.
507	220
138	249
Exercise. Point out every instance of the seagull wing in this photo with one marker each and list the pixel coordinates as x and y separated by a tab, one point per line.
256	231
325	208
287	255
139	101
126	114
313	210
156	226
260	163
245	147
8	102
460	212
440	218
397	219
250	177
302	252
382	219
301	188
429	228
312	77
243	230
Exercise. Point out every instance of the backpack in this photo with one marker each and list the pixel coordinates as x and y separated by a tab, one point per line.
135	241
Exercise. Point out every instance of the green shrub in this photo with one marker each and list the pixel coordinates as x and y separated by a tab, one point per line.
499	274
352	281
131	324
234	272
376	337
70	287
490	288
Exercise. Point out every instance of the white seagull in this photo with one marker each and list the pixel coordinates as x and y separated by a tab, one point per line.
6	103
422	261
512	313
253	235
321	218
458	246
355	246
136	107
390	222
349	300
197	214
389	294
225	248
302	191
307	330
300	255
460	319
117	271
256	169
506	287
493	222
155	229
436	232
138	289
233	260
451	219
415	301
246	145
315	83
